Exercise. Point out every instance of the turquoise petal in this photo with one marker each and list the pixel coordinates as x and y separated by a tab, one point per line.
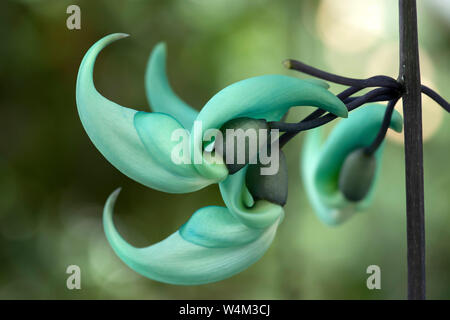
265	97
111	129
159	93
155	131
179	261
216	227
321	164
318	82
237	198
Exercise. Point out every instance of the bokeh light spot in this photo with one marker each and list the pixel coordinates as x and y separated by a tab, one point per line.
336	18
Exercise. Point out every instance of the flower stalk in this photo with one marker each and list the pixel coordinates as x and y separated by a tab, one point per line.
409	76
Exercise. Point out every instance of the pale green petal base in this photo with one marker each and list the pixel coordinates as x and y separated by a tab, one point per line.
321	163
210	247
155	130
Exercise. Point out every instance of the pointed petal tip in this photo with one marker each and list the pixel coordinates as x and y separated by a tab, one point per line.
85	72
340	109
121	35
116	192
113	37
396	122
343	113
111	201
158	55
319	82
161	45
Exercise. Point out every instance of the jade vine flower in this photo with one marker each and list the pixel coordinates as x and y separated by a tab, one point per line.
323	166
216	242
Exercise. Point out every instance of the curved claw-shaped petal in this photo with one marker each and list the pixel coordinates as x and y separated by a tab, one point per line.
159	93
321	164
210	247
111	129
239	201
265	97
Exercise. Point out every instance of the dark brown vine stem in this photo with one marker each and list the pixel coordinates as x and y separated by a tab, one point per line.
409	76
384	128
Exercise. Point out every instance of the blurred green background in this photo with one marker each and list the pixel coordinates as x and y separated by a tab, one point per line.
53	182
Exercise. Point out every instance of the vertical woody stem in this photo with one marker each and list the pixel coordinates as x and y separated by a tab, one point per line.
412	111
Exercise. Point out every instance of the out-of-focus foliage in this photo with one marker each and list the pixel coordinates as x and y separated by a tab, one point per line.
54	183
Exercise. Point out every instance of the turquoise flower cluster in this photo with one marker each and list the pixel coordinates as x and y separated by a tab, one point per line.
217	242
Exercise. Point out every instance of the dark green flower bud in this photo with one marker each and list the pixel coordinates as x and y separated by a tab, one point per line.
246	137
356	175
273	188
